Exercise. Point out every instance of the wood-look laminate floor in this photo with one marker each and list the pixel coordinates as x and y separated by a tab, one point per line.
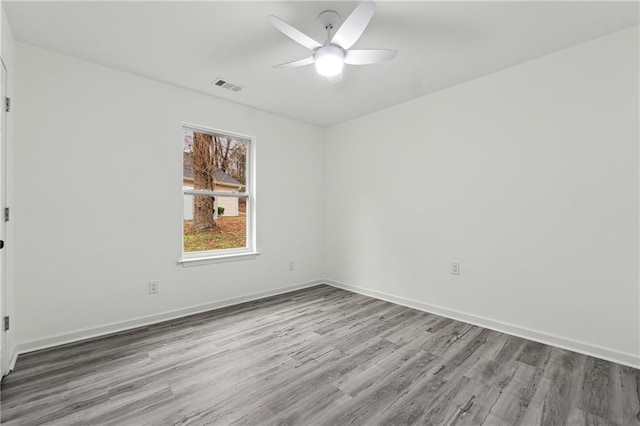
317	356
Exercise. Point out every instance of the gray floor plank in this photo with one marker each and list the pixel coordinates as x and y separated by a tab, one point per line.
316	356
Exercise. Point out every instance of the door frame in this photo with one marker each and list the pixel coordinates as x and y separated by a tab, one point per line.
4	350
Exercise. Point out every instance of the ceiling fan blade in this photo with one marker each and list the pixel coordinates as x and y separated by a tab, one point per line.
355	24
298	63
293	33
366	57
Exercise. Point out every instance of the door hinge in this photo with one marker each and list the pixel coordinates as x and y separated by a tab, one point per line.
6	214
6	323
7	104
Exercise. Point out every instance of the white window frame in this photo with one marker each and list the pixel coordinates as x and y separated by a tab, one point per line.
225	255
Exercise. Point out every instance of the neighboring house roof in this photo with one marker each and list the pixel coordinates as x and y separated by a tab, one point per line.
219	176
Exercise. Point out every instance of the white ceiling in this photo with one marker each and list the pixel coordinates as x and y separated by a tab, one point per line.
189	44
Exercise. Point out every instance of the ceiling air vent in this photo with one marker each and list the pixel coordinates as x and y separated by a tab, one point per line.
226	85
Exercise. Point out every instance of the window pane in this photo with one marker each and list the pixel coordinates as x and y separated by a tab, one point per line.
214	223
213	162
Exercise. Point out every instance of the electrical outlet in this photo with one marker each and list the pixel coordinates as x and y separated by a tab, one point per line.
455	268
291	266
154	286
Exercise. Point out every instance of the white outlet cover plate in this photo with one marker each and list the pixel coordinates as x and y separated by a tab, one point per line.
455	268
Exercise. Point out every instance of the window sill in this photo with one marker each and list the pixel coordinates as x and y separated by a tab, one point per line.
206	260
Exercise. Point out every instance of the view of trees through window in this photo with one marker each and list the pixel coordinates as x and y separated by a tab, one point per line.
214	164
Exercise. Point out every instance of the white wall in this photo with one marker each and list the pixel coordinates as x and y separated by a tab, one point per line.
87	241
7	52
529	177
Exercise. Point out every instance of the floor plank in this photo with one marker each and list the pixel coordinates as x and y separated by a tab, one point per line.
316	356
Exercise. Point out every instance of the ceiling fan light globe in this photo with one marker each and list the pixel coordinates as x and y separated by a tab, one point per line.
329	66
329	61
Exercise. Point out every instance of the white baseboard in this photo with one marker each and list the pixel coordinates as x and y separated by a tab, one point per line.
8	365
13	358
523	332
106	329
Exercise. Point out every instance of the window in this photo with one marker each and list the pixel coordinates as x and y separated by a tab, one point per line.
219	203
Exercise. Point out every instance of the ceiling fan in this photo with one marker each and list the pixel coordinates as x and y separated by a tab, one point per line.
330	57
